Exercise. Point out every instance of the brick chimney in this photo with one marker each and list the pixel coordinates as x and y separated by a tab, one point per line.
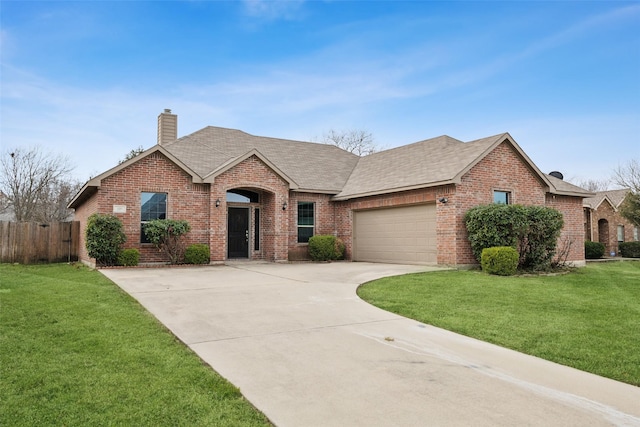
167	127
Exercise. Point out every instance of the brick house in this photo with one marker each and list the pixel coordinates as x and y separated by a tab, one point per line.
259	198
603	222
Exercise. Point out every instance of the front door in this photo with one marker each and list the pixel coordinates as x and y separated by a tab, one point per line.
238	231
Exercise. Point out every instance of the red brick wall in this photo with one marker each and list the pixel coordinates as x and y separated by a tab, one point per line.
572	235
610	238
502	169
153	173
252	174
88	208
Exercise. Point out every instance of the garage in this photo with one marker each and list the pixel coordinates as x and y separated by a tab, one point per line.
396	235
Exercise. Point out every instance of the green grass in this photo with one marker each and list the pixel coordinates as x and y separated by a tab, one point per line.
75	350
588	319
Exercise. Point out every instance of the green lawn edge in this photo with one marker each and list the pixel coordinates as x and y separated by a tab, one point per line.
588	319
77	350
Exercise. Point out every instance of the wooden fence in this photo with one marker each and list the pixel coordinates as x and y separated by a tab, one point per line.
31	242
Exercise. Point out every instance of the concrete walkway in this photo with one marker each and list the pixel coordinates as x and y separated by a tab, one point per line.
306	351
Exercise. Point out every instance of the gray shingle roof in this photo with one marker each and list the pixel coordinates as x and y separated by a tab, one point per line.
312	166
324	168
430	162
615	197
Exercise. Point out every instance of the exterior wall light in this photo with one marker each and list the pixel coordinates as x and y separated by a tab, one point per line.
284	206
217	203
443	200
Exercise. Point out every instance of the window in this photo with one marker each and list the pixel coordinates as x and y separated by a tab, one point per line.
305	221
256	229
621	233
152	206
242	196
635	234
502	197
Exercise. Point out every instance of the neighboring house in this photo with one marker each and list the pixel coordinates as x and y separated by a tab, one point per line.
603	222
251	197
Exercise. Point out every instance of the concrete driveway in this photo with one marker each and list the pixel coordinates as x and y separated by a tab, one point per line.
306	351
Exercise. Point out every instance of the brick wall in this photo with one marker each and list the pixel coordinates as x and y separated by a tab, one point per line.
603	227
252	174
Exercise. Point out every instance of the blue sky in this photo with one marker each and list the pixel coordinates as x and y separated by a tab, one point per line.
88	78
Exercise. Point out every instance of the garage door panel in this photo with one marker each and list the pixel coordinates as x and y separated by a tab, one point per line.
398	235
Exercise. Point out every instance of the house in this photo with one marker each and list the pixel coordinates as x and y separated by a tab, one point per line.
259	198
603	222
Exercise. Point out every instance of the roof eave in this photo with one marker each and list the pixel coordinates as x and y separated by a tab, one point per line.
339	197
94	183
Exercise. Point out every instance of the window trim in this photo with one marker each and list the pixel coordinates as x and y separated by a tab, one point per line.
143	239
508	194
620	233
299	226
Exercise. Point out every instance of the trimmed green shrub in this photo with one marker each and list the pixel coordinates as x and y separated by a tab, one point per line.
104	237
532	230
197	254
593	250
167	236
629	249
499	260
129	257
325	248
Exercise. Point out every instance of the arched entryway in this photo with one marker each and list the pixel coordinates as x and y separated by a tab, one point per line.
603	233
249	223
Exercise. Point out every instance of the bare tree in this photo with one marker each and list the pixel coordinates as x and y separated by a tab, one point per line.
628	176
358	142
30	179
594	184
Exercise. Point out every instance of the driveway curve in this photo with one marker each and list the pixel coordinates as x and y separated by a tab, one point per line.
306	351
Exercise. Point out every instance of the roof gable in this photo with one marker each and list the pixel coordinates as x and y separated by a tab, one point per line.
234	162
613	197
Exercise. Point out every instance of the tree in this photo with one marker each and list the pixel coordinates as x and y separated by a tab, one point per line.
359	142
131	154
35	184
167	236
104	238
628	176
594	185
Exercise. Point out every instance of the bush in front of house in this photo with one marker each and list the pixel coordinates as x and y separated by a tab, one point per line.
593	250
168	236
129	257
500	260
629	249
104	237
197	254
532	230
325	247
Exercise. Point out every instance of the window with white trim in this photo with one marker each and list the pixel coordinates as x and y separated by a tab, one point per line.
306	221
502	197
152	206
621	233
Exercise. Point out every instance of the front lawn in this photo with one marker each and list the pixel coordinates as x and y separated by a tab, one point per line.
588	319
75	350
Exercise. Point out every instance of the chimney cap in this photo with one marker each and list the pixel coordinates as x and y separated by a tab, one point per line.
167	110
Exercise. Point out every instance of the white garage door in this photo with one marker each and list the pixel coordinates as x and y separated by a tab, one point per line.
396	235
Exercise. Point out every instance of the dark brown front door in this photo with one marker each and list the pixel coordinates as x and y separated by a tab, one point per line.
238	231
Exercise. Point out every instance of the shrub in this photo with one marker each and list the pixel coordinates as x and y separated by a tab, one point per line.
593	250
104	237
129	257
500	260
532	230
629	249
167	236
197	254
325	248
